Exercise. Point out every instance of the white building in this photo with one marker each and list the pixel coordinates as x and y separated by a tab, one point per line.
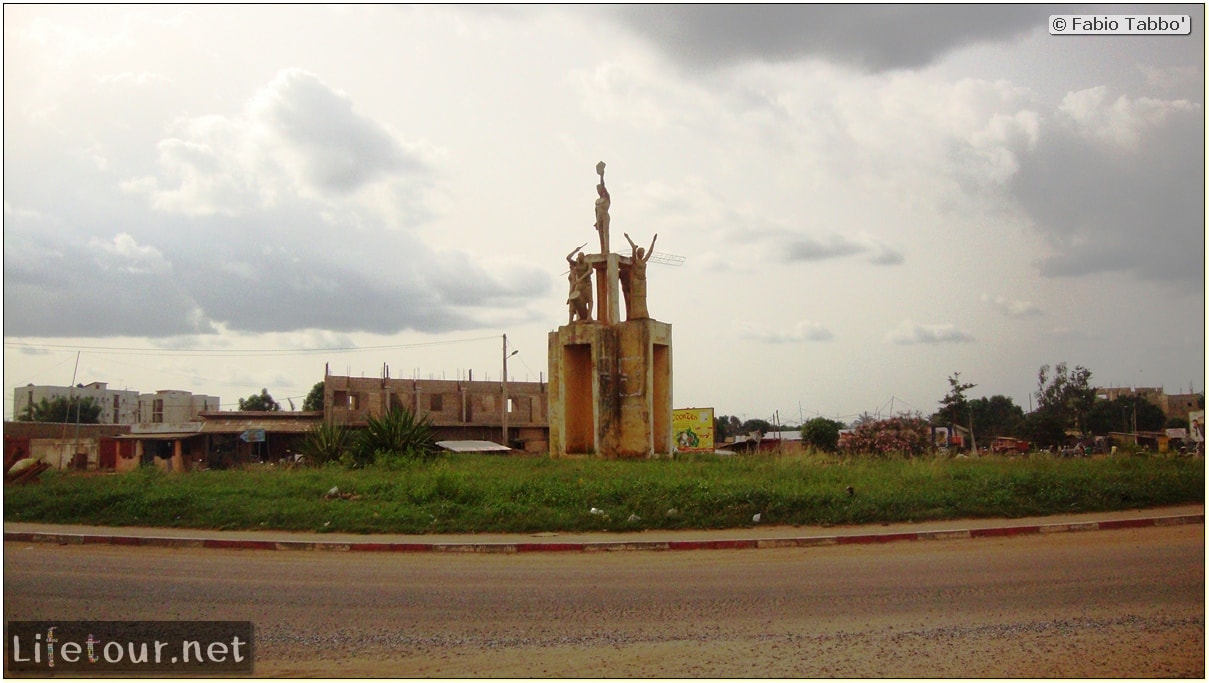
117	406
172	406
121	407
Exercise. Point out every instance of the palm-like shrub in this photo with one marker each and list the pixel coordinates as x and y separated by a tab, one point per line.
398	434
324	443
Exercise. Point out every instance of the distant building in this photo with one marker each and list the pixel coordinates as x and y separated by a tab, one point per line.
117	406
170	405
1172	405
120	406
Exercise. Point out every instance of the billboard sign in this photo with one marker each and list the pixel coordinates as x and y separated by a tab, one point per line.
693	429
1196	426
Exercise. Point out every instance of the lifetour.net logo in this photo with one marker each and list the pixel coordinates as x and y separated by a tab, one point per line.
130	647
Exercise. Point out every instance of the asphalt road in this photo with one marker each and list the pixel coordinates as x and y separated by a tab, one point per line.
1098	604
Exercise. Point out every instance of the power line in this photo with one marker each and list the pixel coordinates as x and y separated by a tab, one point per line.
233	353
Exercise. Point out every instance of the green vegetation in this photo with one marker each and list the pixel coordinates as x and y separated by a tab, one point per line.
261	401
822	434
314	399
74	410
476	493
392	440
325	443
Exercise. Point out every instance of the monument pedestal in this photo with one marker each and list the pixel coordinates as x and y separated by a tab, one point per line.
610	389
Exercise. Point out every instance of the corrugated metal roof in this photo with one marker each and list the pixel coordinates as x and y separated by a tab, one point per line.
473	446
159	435
277	426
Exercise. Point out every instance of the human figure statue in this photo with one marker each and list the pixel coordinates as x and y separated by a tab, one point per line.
635	280
602	209
579	299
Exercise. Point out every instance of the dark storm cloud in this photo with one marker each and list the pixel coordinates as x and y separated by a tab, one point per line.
54	287
251	223
875	37
1133	203
57	288
339	149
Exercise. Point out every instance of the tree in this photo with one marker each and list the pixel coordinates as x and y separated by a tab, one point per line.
263	401
996	416
1044	428
725	427
74	410
756	425
1120	414
954	409
1176	423
1067	395
822	434
314	400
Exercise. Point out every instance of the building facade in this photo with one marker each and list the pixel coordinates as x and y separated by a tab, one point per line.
117	406
1172	405
458	410
120	407
170	405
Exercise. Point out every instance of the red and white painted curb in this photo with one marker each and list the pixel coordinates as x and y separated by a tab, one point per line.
591	546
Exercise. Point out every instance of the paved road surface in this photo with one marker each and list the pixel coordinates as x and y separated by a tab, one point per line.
1094	604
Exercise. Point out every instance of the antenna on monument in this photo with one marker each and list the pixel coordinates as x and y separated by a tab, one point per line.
666	259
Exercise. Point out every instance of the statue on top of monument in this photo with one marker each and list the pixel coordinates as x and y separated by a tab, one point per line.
602	209
634	284
579	299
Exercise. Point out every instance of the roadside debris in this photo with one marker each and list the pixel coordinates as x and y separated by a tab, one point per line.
334	493
25	470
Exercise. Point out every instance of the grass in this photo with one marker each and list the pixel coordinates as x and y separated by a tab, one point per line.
475	493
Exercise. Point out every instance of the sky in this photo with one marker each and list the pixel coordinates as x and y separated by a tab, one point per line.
868	199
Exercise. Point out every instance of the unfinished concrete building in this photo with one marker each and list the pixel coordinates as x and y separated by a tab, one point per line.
458	410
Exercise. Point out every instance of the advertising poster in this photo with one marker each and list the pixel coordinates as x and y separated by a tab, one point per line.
1196	426
693	429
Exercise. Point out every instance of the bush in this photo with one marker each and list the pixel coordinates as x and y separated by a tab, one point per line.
398	433
822	434
902	435
324	443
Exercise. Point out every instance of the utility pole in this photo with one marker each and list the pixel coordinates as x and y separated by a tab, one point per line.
504	389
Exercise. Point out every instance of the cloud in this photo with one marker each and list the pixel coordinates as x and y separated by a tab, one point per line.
129	78
1123	121
1117	185
299	214
1011	308
125	255
833	246
874	37
319	136
909	333
297	136
801	331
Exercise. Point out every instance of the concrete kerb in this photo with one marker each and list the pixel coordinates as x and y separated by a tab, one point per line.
596	546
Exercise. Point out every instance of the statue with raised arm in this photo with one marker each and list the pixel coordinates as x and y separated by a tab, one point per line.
602	209
579	299
634	283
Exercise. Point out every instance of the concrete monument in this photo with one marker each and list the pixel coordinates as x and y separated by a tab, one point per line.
579	298
610	388
602	209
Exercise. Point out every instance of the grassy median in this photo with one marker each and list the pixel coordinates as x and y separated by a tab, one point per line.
477	493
